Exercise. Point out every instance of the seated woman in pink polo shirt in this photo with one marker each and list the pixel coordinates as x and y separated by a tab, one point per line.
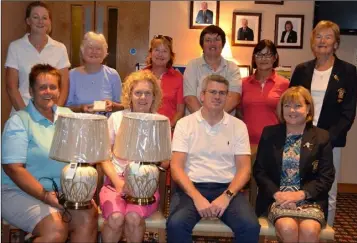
159	61
261	91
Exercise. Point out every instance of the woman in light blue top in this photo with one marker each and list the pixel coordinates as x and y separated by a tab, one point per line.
94	81
30	179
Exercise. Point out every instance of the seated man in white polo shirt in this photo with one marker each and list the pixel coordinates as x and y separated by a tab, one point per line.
211	164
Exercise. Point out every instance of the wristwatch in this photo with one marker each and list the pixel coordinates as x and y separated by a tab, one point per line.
229	194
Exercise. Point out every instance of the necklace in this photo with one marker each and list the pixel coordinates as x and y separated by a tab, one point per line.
321	75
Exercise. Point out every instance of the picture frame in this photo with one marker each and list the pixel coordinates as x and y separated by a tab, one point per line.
246	29
294	26
203	13
269	2
284	71
244	70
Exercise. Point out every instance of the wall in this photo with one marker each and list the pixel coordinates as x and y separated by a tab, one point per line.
9	32
186	41
133	32
347	52
172	18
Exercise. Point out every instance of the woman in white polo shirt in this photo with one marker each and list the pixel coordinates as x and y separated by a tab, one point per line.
33	48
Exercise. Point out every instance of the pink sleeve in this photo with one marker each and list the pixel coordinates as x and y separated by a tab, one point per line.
180	91
285	84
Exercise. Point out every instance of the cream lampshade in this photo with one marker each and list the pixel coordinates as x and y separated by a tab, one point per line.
82	140
145	140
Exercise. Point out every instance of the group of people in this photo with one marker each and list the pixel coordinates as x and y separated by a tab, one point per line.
289	138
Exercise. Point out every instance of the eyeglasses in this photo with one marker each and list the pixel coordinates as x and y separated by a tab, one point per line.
168	38
261	55
139	94
215	92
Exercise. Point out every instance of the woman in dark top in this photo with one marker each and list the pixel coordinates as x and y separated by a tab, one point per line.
294	170
289	35
333	86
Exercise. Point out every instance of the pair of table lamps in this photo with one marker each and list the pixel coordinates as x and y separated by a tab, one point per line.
83	140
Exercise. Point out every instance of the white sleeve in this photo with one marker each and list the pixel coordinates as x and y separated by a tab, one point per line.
180	139
11	58
242	145
190	82
235	82
64	61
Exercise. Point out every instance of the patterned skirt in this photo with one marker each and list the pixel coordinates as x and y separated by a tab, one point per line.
305	210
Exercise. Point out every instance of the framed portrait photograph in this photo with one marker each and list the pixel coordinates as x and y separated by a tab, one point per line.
203	13
269	2
246	28
244	70
289	31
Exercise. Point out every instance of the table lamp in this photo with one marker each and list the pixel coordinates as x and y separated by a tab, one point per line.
144	139
81	140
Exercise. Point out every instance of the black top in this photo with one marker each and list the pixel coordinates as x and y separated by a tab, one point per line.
317	172
245	34
339	105
292	38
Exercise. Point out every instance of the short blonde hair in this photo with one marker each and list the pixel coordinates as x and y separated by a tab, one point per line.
132	80
294	94
214	78
161	40
326	24
92	36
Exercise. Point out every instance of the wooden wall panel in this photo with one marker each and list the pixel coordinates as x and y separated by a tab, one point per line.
13	26
61	21
133	32
134	23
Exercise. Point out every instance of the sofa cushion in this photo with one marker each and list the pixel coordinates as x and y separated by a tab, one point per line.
267	228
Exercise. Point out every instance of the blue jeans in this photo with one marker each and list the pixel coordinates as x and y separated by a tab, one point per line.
239	215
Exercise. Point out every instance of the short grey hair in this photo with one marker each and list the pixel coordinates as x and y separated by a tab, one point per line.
214	78
92	36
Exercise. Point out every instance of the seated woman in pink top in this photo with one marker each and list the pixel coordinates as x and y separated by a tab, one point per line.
262	90
160	60
141	93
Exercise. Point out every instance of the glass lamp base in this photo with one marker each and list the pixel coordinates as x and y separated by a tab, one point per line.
78	205
139	201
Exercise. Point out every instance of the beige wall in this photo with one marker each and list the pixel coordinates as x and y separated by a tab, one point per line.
347	52
172	18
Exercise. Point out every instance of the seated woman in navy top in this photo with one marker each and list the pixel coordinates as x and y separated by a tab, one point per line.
94	81
294	170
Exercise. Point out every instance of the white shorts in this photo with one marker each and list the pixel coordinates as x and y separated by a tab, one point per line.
22	210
